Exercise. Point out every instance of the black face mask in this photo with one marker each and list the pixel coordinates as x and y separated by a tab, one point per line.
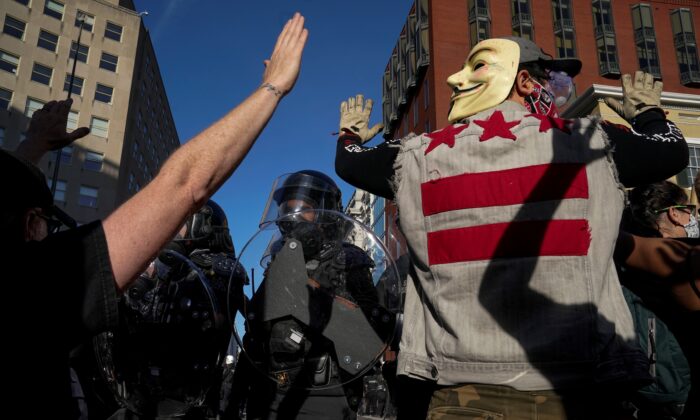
308	234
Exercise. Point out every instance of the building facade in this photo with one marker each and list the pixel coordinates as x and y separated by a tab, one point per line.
610	37
117	91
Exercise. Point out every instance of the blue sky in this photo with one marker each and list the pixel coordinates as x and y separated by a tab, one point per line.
210	55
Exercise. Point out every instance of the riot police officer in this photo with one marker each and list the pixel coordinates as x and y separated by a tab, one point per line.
315	325
165	360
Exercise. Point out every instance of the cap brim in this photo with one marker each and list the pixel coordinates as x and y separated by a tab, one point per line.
62	216
572	66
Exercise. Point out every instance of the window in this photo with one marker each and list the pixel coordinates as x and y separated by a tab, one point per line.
88	196
109	62
645	39
687	176
77	85
42	74
605	37
88	20
2	136
72	123
99	127
521	22
113	31
686	47
54	9
14	27
82	51
61	186
103	93
564	29
93	161
5	98
479	21
31	106
8	62
47	40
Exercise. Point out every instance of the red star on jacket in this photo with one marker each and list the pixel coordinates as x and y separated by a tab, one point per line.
496	126
548	122
444	136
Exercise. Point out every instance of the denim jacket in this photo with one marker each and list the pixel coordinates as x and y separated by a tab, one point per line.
511	222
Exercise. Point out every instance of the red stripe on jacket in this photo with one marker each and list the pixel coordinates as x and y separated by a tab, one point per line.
555	181
509	240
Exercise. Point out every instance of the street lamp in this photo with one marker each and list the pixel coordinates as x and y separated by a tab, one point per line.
59	152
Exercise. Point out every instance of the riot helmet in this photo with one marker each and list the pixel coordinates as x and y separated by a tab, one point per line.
294	196
207	228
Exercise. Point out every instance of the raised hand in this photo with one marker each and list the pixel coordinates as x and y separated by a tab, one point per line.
282	69
47	131
354	116
638	95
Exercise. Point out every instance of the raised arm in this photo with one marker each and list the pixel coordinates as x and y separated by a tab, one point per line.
367	168
141	226
654	149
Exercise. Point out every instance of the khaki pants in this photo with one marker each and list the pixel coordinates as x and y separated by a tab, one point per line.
494	402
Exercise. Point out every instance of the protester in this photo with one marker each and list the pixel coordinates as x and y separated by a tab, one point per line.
665	309
65	287
511	214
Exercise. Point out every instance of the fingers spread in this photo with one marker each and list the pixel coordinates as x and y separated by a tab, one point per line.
343	107
78	133
351	104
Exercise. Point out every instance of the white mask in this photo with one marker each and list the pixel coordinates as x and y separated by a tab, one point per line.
486	78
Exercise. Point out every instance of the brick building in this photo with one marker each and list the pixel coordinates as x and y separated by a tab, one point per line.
610	37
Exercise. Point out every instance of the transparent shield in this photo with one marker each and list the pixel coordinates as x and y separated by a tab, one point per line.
171	343
325	300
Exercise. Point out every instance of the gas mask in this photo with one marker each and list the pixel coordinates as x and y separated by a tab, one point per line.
545	99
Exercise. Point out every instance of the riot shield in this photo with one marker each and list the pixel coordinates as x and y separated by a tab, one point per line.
329	288
171	342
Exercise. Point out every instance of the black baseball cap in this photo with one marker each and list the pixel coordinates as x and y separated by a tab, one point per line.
529	52
24	185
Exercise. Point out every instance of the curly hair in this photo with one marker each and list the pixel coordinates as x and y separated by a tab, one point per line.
641	217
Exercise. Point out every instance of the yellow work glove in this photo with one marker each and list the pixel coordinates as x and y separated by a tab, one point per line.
638	95
354	116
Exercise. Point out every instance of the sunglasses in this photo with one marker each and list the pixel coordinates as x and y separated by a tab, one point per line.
692	209
52	225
